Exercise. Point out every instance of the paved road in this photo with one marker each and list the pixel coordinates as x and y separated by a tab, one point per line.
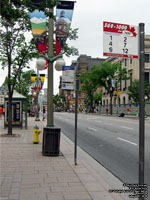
112	141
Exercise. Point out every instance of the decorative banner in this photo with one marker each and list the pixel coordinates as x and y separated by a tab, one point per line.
33	77
40	81
38	24
64	13
42	77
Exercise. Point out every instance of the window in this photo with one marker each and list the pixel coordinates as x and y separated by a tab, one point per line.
131	61
147	76
147	58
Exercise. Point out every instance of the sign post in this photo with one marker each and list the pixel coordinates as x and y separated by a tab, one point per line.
67	78
121	40
141	108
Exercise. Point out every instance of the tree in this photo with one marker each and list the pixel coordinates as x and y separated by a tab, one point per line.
89	85
21	84
121	74
98	98
15	50
105	76
109	76
133	91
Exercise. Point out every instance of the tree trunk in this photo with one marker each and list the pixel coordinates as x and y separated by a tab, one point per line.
9	111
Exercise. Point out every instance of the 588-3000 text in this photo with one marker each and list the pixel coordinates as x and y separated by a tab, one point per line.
116	26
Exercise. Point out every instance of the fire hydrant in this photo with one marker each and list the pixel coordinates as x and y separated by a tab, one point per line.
36	133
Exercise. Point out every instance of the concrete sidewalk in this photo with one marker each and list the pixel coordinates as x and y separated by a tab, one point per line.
27	175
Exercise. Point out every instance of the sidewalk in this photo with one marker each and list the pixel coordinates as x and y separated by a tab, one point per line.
27	175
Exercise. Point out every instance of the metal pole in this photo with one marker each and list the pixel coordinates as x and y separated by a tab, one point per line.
50	117
141	107
37	97
76	121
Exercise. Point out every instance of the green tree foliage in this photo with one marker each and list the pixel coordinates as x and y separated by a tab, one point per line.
109	76
121	74
105	77
21	84
98	98
133	91
89	85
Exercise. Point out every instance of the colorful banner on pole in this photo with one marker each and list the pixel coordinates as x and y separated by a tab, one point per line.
38	26
40	81
64	13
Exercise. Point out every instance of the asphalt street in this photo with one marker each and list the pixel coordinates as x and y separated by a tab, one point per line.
112	141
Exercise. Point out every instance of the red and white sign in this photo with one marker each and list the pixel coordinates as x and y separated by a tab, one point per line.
120	40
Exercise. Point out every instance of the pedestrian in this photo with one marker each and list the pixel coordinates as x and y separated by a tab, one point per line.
44	113
107	111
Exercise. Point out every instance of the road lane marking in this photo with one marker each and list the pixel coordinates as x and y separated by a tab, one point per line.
91	129
127	141
107	124
98	121
126	127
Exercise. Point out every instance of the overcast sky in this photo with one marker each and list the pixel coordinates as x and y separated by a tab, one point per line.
88	17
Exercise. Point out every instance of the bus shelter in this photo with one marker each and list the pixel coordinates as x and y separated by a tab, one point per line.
19	110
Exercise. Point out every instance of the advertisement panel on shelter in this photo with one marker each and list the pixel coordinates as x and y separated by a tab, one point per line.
120	40
16	113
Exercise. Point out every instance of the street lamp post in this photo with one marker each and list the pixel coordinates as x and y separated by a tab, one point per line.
50	117
51	134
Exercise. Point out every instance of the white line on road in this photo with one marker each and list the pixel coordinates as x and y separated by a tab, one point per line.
92	129
127	141
126	127
107	124
98	121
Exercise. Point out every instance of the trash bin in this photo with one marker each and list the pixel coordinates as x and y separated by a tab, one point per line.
51	141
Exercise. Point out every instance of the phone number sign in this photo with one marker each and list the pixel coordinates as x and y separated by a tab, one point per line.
120	40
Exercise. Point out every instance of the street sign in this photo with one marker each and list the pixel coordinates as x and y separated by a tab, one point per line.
67	86
120	40
68	74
